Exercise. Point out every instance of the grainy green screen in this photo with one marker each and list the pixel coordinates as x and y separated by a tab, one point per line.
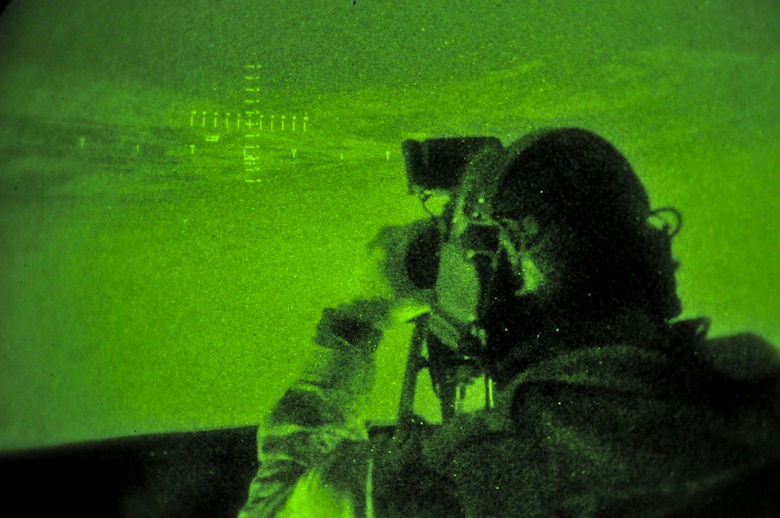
184	185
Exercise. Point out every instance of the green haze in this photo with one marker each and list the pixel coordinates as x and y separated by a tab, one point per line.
150	286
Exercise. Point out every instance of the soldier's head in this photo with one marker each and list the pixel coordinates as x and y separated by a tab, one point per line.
557	227
587	225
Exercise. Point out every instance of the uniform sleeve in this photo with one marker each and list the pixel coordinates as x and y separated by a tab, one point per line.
321	415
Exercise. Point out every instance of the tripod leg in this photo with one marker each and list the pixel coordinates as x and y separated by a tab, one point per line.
414	363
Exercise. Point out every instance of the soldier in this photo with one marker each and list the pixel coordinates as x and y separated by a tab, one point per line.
548	285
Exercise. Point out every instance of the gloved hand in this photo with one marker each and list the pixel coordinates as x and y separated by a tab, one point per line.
355	327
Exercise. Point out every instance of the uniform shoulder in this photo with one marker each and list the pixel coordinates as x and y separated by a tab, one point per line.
746	357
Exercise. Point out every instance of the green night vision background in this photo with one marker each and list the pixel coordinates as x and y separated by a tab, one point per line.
163	265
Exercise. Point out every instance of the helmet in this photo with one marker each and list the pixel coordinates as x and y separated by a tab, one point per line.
574	175
574	190
554	228
611	252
